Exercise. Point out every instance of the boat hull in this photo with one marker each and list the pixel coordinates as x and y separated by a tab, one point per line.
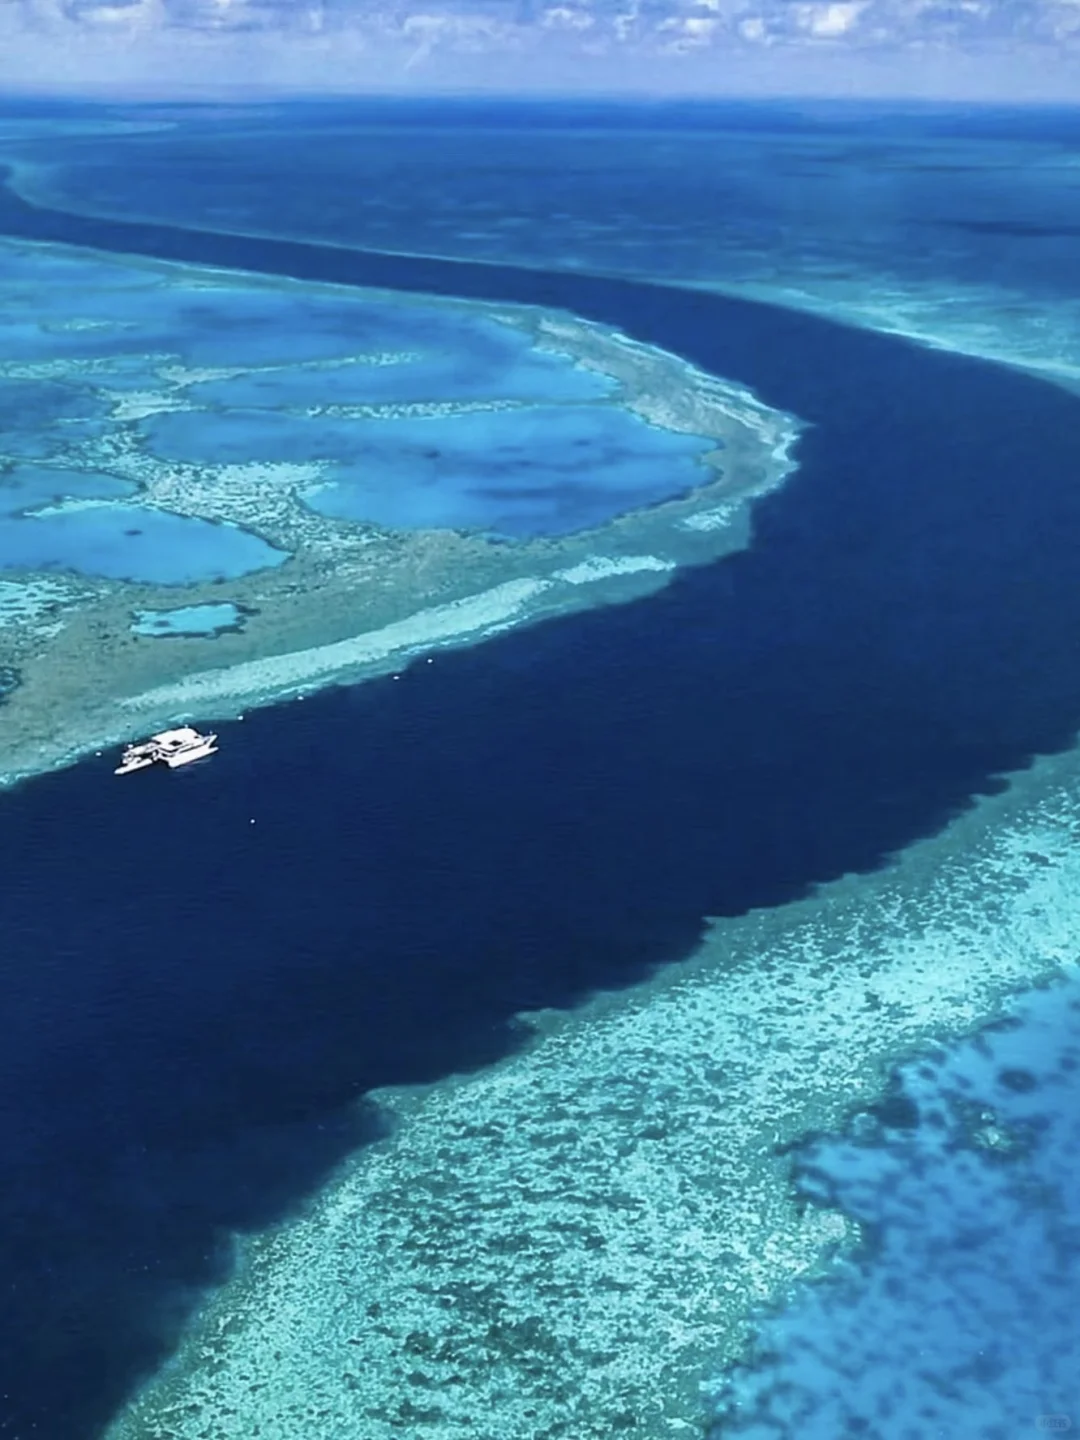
187	756
128	767
172	748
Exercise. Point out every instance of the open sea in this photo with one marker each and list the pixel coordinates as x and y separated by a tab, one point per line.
201	975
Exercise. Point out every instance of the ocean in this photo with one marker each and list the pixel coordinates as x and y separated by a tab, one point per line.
204	975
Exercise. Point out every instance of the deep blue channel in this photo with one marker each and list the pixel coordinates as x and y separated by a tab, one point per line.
193	1003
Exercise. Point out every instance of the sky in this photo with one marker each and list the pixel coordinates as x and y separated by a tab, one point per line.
966	49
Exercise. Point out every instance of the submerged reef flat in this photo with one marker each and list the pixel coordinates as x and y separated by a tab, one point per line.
965	1180
990	321
461	621
370	475
572	1242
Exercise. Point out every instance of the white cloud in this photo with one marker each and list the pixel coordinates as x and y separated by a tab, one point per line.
832	20
914	46
560	17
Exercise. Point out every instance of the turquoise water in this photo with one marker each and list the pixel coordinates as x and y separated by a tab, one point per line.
188	620
26	487
40	417
566	456
959	1317
60	306
127	542
111	539
118	311
539	470
473	359
542	471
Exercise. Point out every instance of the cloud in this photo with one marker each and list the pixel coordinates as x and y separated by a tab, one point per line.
827	22
1028	48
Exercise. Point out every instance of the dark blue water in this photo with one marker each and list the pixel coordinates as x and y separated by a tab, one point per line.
515	825
938	198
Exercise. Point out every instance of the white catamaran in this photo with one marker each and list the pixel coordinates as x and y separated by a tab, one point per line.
171	747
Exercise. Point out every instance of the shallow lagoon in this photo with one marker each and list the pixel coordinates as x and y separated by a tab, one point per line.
162	372
75	520
39	418
129	542
471	359
188	620
28	487
540	470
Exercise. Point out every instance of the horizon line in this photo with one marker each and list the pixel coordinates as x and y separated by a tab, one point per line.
208	95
